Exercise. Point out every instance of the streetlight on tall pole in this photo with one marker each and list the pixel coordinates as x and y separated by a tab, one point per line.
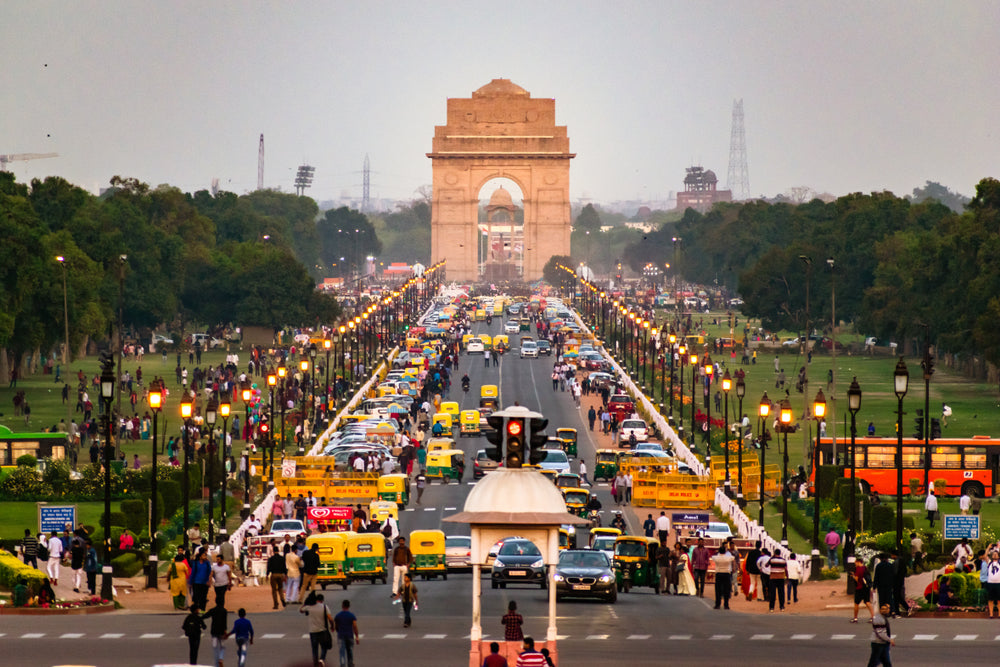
272	382
304	367
107	396
282	375
786	426
694	378
672	340
763	410
819	412
155	399
741	390
681	361
709	369
727	384
211	415
186	411
853	406
901	379
225	409
327	344
245	395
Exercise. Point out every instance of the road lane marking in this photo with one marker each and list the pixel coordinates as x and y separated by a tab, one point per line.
924	638
68	635
32	635
720	637
597	637
435	636
678	637
450	509
275	635
430	509
410	509
151	635
393	636
842	637
806	637
470	483
966	638
639	636
112	635
758	637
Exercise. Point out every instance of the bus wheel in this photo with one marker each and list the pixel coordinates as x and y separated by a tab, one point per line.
973	488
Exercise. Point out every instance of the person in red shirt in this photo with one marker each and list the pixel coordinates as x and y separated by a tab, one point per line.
494	659
530	657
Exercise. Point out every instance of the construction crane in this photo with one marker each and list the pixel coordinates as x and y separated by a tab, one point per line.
21	157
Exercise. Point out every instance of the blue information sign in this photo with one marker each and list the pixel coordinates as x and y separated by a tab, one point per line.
690	518
958	526
55	517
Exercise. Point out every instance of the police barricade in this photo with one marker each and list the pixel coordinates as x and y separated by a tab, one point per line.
752	482
750	466
672	490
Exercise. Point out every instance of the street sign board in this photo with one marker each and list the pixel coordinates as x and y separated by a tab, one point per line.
55	517
690	518
958	526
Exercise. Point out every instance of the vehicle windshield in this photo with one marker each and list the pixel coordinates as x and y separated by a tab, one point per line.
286	525
579	498
630	549
519	549
553	456
583	559
606	458
604	543
633	423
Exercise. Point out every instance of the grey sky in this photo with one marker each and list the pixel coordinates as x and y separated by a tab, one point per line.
838	96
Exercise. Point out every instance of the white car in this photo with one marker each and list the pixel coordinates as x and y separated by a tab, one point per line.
555	459
633	426
511	327
475	346
458	551
291	527
648	446
529	349
206	341
717	530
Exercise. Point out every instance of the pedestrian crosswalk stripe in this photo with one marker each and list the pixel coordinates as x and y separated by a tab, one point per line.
966	638
803	637
717	637
841	637
112	635
277	635
435	636
70	635
430	509
393	636
678	637
471	483
32	635
410	509
597	636
638	637
151	635
924	638
558	637
762	637
450	509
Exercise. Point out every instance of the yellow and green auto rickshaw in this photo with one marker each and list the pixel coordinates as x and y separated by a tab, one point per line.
564	539
428	549
443	418
439	444
548	474
394	488
635	562
451	407
605	464
487	341
568	480
446	464
468	422
576	500
332	558
568	437
606	532
380	510
366	557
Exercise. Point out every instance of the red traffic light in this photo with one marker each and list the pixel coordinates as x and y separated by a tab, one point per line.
514	427
263	427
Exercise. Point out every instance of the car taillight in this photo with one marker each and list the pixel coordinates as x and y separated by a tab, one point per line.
477	463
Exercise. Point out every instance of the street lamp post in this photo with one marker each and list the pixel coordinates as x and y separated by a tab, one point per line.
681	360
245	395
763	410
107	395
272	381
282	375
211	415
727	384
853	406
819	411
741	390
645	353
709	369
786	426
901	379
672	340
312	391
304	367
225	409
694	379
186	412
326	385
155	404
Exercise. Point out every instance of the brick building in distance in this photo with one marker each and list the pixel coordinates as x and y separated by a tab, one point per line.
700	191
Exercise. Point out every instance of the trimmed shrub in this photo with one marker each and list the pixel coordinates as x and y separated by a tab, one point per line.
26	461
23	483
825	478
56	476
117	519
883	519
170	493
12	569
136	513
126	565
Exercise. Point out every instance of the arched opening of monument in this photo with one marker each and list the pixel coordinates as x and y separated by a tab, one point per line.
501	231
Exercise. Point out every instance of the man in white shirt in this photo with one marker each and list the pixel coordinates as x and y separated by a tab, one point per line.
55	546
964	503
663	527
628	488
583	474
359	464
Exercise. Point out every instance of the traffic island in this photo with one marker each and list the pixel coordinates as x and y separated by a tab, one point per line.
93	605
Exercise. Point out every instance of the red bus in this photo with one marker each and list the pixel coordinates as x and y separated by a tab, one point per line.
968	465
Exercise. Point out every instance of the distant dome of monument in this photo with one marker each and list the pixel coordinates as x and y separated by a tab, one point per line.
501	198
501	88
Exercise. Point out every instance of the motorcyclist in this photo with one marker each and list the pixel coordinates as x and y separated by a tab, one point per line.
465	382
593	504
619	523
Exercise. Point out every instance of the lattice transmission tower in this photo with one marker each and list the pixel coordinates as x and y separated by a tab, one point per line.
738	180
366	184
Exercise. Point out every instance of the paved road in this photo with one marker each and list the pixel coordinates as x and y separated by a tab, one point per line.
641	629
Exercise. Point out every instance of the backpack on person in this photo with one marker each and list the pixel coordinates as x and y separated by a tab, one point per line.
42	552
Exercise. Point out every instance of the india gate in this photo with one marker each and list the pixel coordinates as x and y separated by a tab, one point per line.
500	132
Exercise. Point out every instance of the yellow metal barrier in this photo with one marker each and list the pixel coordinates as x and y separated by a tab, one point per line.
672	490
772	482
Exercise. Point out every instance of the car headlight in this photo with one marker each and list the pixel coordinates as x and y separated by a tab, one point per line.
559	577
538	563
572	530
498	563
606	578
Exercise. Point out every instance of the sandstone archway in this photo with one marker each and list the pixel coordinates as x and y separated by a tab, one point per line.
500	132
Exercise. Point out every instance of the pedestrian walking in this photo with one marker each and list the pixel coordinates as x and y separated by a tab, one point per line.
512	623
293	565
583	473
699	563
178	576
221	579
91	566
55	546
723	577
881	638
649	526
218	619
628	488
192	627
663	527
421	482
346	625
29	549
320	622
243	631
794	569
777	577
309	569
529	657
402	560
276	573
408	597
494	659
591	417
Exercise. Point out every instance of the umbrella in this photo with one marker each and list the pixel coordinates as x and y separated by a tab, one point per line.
397	409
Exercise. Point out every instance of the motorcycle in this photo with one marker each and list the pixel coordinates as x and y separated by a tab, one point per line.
595	518
465	386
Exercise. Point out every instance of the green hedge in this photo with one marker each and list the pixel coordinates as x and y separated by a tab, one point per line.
127	565
883	519
825	478
12	569
136	513
117	519
170	493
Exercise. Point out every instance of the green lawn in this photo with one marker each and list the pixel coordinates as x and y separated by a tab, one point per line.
16	516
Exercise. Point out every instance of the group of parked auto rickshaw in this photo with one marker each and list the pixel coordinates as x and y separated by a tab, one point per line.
348	556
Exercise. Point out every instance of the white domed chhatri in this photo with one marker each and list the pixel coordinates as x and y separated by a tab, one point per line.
521	496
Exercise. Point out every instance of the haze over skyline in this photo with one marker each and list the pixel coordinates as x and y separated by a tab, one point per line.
838	96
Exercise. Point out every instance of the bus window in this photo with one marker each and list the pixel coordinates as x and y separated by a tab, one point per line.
913	457
975	457
946	457
881	457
